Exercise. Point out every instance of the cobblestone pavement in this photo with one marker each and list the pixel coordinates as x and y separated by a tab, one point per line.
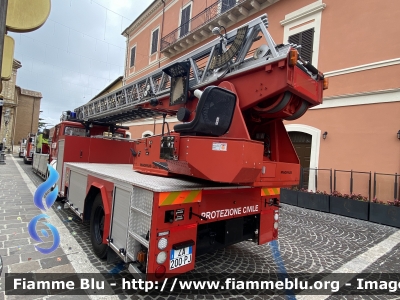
17	248
309	242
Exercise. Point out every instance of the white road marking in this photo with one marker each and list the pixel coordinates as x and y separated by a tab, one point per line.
355	266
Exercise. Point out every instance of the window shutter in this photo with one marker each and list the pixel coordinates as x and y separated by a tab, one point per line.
294	39
154	42
306	40
185	21
133	56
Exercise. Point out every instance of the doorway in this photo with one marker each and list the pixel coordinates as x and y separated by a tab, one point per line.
302	144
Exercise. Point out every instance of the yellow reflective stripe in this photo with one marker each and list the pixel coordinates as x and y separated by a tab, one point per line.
191	197
270	191
171	198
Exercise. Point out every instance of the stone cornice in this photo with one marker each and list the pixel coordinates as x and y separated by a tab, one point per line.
374	65
143	17
302	13
31	93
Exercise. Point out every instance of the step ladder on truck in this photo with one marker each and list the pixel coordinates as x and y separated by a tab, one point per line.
212	181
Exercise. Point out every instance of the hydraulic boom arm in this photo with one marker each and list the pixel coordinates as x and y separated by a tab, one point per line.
231	98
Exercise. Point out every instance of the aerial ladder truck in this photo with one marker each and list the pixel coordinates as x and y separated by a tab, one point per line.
212	180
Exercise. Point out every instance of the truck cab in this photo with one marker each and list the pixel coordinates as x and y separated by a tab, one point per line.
76	128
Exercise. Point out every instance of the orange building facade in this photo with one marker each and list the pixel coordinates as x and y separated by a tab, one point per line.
352	42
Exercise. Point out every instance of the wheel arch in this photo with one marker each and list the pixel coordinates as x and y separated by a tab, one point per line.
94	190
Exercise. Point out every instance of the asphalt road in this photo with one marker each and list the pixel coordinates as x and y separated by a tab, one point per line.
309	242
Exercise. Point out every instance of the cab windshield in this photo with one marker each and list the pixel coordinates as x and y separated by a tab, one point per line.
74	131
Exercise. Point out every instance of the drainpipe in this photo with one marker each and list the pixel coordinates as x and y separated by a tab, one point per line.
15	117
162	33
33	110
13	133
126	67
3	31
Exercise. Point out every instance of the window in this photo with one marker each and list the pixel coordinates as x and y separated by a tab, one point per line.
154	41
303	26
185	18
227	4
306	40
74	131
133	56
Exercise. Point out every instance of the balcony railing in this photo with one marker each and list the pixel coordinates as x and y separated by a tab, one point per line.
210	13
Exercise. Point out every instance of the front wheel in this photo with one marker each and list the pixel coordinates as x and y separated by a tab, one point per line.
97	218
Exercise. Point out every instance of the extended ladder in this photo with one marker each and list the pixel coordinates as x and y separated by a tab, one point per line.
209	64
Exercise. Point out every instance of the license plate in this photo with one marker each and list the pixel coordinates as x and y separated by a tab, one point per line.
181	257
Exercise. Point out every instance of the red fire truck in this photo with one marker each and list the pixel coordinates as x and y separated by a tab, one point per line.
29	148
47	152
211	181
22	147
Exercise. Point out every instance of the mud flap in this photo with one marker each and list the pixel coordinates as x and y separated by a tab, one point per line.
112	257
266	232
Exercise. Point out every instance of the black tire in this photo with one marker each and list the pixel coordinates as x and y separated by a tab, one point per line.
25	161
96	228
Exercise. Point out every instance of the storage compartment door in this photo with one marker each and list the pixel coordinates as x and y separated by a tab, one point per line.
119	229
60	163
77	190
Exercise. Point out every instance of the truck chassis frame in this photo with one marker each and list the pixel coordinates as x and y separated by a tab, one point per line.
188	215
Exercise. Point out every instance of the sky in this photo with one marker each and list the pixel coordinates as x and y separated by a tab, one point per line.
76	53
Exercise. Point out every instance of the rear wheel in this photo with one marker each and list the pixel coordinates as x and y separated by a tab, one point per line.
97	218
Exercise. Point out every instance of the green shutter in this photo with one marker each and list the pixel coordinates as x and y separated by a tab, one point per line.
306	40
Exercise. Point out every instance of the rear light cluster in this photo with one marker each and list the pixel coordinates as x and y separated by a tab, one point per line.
160	271
161	257
162	243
